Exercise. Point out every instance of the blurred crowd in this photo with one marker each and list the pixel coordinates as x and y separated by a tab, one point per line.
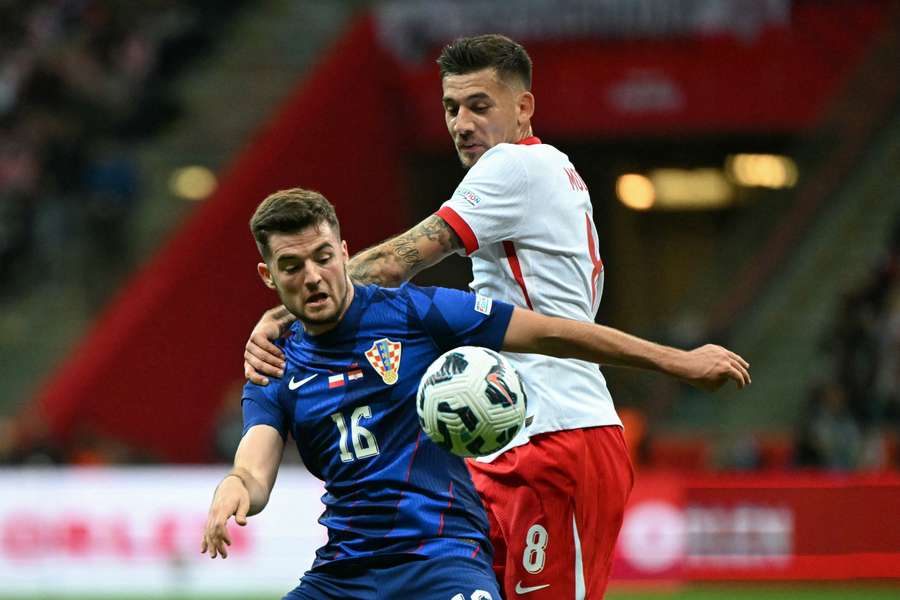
81	83
852	416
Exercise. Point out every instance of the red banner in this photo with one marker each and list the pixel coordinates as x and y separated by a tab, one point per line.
761	527
781	80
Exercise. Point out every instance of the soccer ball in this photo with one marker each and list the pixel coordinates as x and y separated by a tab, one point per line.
471	401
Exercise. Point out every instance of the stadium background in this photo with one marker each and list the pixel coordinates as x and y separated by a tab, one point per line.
135	139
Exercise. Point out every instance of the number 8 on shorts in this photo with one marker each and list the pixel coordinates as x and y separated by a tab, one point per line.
534	555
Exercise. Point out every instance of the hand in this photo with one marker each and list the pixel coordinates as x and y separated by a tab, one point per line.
261	356
230	500
710	367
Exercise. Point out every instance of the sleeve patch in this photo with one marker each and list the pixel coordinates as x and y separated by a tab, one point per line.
483	304
469	196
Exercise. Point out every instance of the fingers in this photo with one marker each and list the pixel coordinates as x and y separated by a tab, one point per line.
263	347
721	365
240	516
253	377
741	369
261	358
739	359
740	378
215	539
215	536
265	366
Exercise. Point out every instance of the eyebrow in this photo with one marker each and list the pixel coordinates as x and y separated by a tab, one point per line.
319	248
470	98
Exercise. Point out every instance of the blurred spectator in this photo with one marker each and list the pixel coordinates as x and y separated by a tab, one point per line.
829	436
854	420
18	187
79	80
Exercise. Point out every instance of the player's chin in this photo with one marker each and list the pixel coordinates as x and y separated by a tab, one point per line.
321	315
468	159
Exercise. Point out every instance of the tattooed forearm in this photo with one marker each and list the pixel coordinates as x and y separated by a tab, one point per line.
436	229
364	269
403	248
398	259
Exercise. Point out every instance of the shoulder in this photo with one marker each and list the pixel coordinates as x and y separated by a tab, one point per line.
376	294
500	158
388	300
533	156
412	293
426	298
525	159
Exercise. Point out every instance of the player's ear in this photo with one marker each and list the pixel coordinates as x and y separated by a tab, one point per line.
525	106
345	250
266	275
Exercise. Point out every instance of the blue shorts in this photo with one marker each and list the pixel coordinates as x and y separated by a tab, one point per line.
422	578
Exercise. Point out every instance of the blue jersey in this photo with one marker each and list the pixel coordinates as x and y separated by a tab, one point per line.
348	398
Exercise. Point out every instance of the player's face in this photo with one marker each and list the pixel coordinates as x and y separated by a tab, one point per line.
309	271
482	110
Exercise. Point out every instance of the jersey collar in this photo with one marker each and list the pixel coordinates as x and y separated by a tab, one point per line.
529	141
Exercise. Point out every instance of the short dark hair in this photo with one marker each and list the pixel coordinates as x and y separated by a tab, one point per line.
469	54
290	211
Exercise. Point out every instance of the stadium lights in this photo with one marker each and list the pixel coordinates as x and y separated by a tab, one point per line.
635	191
691	189
762	170
192	183
675	189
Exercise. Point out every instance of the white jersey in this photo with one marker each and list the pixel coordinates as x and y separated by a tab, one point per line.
526	220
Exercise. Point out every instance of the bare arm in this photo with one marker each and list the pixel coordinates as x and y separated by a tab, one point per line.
707	367
245	490
400	258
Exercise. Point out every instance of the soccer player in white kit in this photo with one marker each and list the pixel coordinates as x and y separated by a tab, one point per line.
555	497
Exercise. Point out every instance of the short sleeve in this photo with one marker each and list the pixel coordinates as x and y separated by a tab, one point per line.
260	406
454	318
490	202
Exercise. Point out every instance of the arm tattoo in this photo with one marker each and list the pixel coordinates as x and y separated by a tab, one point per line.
398	259
283	316
280	313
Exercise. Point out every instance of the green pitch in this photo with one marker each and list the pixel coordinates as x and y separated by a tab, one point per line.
837	591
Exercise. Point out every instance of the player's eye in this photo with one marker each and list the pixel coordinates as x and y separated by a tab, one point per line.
480	108
451	110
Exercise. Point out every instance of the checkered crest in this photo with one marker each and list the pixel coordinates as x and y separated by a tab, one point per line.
384	356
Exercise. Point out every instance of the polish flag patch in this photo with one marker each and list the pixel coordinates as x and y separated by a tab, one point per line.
336	380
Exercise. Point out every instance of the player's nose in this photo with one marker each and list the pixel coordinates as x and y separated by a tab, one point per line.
312	277
463	124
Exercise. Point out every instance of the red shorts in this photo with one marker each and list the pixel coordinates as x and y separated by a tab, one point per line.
555	507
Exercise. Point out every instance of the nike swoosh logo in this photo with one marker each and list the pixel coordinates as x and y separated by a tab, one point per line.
293	385
527	590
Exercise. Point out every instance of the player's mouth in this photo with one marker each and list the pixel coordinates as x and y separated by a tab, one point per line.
469	147
316	300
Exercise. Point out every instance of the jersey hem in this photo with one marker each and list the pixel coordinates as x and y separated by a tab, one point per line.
535	431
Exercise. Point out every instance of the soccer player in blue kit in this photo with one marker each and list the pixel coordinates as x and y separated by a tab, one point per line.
403	517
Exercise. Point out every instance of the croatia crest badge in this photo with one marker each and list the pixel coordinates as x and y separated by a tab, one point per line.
384	356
